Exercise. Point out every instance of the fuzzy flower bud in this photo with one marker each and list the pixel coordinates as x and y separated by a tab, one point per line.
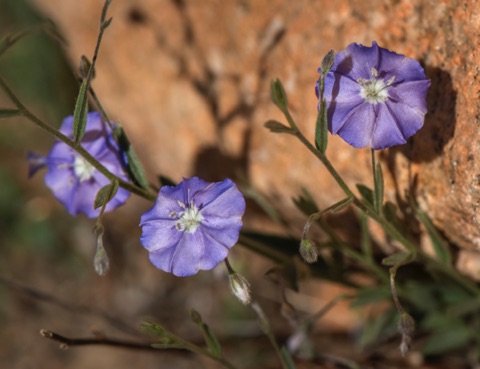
406	327
308	251
101	262
240	288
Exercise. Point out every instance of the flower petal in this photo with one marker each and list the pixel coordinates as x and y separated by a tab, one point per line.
411	93
159	234
357	127
404	69
223	199
388	129
357	61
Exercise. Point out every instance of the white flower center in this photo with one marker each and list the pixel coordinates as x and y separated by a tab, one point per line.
374	90
83	169
189	219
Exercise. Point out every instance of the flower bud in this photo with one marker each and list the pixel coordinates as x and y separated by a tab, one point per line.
308	251
327	62
406	327
240	288
101	262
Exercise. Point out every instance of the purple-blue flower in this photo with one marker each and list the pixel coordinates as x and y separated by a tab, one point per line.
74	181
375	97
193	225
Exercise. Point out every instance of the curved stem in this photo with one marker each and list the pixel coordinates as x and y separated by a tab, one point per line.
78	148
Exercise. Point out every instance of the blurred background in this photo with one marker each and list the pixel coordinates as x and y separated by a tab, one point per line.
189	81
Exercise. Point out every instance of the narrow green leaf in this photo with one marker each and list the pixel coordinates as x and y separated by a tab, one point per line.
80	113
134	166
367	296
321	128
265	204
5	43
279	97
8	113
210	339
390	212
379	189
378	327
105	194
366	194
396	259
447	339
365	241
305	203
277	127
439	245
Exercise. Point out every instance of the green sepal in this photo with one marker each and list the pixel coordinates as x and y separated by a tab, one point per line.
105	194
279	96
277	127
80	113
8	113
134	166
211	340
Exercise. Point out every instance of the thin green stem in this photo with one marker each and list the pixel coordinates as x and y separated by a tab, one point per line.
374	172
324	161
78	148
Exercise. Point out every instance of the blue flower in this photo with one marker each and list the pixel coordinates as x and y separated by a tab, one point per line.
193	225
375	97
74	181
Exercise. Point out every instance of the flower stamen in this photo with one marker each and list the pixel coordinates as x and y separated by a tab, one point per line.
83	169
189	219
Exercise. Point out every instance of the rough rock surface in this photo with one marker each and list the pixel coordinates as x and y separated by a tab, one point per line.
189	80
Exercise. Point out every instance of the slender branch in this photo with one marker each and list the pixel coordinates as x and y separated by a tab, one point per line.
66	342
78	148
